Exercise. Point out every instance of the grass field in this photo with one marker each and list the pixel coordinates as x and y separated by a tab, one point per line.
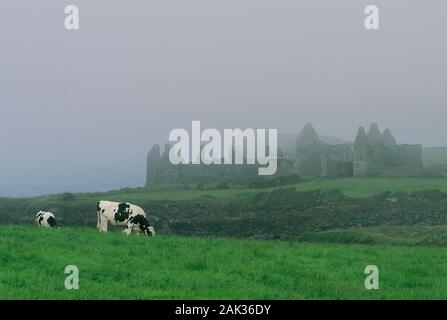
369	186
411	258
383	235
114	266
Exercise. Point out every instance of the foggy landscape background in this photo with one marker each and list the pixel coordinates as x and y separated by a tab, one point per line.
81	109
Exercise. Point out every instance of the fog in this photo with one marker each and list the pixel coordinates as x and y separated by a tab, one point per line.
80	109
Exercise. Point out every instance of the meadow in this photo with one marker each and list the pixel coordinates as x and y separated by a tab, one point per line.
114	266
322	234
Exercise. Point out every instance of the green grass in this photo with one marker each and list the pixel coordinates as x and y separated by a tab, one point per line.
114	266
384	235
353	186
368	186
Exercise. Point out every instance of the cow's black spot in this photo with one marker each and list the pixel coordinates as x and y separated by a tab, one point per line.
123	212
51	221
103	210
40	219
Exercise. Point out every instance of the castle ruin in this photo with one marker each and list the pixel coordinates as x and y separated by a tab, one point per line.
373	153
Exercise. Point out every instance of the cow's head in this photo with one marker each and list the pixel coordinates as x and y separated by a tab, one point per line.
149	231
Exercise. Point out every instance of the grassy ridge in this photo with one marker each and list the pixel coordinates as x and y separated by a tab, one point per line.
358	187
258	212
361	187
354	187
114	266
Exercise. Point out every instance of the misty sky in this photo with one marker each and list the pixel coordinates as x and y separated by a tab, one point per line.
80	109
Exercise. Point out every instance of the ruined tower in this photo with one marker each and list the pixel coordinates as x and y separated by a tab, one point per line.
360	153
154	174
374	135
309	152
388	138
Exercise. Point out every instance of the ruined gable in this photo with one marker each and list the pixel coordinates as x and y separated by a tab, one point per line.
388	138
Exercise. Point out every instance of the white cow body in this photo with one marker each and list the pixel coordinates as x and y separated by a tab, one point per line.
122	214
46	219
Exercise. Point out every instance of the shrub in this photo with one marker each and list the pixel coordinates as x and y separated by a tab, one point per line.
68	196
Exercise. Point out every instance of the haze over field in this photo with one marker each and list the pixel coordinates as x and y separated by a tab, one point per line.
80	110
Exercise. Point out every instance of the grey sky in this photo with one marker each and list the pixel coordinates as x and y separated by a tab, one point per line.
80	110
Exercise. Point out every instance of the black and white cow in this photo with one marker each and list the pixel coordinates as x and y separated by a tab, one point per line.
46	219
122	214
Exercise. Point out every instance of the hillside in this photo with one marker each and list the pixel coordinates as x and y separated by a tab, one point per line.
282	212
114	266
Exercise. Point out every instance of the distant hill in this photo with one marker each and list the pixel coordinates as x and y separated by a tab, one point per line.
434	155
286	142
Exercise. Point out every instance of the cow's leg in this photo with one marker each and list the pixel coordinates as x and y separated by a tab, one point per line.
128	230
103	225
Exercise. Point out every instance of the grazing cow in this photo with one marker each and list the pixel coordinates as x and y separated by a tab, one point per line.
122	214
46	219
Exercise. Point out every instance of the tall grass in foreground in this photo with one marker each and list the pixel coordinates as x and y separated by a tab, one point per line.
114	266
